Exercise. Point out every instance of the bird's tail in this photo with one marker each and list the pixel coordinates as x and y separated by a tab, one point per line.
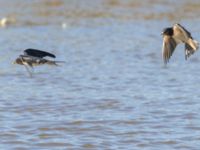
54	63
194	44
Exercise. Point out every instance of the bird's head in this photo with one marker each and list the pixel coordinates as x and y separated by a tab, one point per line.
18	61
168	31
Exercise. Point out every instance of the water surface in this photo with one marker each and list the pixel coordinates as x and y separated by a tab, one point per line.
113	92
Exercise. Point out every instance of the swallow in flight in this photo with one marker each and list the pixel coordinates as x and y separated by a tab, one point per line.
34	57
172	36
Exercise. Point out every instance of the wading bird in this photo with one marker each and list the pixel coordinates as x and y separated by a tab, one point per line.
172	36
34	57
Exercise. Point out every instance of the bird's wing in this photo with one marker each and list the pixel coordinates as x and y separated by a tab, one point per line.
169	45
181	33
38	53
185	36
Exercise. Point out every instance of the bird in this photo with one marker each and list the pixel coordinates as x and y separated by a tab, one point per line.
35	57
172	36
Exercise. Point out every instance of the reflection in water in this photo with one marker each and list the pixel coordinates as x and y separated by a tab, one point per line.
113	92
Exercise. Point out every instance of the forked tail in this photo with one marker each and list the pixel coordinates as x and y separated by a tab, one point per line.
55	63
194	44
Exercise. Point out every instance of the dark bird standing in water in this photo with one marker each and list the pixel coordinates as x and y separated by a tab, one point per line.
172	36
33	57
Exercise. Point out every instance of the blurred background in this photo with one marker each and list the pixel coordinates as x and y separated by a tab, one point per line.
113	92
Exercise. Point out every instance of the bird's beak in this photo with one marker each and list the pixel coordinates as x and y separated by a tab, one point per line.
14	62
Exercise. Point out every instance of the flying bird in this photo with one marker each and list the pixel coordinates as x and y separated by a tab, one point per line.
172	36
34	57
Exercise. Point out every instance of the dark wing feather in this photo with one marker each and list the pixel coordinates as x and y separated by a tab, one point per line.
184	31
188	51
38	53
169	45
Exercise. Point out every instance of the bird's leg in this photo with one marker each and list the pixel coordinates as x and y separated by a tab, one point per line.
29	72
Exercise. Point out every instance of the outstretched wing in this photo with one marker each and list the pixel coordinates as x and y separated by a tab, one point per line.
38	53
181	33
169	45
185	36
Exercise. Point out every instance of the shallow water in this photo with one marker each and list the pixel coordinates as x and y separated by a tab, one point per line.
113	92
